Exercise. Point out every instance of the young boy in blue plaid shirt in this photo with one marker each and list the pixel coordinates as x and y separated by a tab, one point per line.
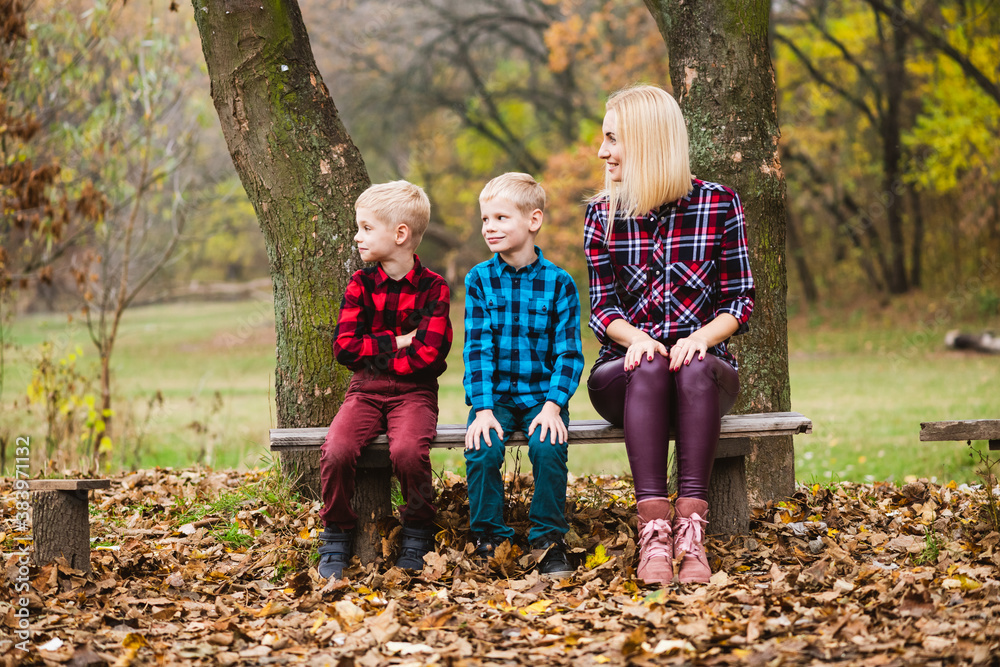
523	361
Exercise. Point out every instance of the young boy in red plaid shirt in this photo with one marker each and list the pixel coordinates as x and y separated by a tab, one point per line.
394	333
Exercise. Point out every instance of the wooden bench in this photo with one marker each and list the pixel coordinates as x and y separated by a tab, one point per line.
60	519
969	429
298	449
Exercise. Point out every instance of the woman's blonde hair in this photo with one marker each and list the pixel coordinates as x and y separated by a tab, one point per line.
656	168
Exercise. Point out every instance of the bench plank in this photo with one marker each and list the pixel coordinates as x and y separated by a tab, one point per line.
968	429
582	431
68	484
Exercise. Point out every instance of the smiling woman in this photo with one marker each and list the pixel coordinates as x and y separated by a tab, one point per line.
670	283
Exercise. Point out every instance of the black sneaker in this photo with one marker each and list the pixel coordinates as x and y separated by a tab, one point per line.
555	562
414	544
486	544
334	552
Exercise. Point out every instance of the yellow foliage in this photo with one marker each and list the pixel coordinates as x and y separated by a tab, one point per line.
599	557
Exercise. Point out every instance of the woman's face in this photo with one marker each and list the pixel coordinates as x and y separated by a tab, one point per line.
611	151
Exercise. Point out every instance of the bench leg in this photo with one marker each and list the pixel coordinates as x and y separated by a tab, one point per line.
300	468
372	501
727	497
60	526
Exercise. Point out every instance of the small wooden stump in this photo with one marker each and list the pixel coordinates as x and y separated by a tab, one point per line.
60	522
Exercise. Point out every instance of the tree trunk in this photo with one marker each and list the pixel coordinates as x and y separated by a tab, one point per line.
917	250
798	252
895	69
720	67
302	174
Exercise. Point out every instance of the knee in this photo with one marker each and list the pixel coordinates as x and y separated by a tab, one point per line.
486	456
336	457
548	455
651	375
410	457
698	376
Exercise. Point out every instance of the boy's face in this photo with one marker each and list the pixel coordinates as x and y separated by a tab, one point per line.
506	229
376	239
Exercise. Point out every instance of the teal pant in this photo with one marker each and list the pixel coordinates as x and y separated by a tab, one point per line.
548	465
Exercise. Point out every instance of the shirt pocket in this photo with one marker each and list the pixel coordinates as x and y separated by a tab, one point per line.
538	317
496	312
692	290
630	281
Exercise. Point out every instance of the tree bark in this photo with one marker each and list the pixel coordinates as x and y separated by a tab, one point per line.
60	525
302	174
720	67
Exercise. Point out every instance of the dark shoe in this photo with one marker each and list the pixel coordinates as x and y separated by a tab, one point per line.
414	544
486	545
555	562
334	553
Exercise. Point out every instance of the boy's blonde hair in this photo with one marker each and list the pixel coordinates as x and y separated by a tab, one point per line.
398	202
656	168
519	189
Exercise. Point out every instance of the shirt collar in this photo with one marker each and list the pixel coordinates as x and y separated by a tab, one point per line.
500	266
663	211
411	276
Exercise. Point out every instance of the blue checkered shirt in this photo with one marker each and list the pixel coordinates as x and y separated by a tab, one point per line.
522	335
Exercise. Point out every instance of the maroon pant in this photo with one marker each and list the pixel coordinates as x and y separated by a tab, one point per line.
648	399
406	411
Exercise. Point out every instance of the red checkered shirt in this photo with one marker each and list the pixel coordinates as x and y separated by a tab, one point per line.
377	308
671	271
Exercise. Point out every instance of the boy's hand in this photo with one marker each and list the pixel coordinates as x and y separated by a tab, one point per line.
551	423
405	340
479	429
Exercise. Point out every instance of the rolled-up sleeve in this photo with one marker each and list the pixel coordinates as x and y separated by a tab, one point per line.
478	350
567	347
604	305
736	288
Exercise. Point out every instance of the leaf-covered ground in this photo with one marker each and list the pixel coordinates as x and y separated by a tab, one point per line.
200	567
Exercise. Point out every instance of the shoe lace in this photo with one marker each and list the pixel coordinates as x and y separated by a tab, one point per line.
655	539
691	534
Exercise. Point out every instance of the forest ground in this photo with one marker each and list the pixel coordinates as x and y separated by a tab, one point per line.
198	567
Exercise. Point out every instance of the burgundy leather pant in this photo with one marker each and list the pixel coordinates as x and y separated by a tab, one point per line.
651	397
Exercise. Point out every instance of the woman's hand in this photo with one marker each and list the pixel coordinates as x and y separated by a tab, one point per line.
685	349
644	347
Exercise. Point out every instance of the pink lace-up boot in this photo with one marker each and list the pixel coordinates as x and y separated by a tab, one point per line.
689	538
656	541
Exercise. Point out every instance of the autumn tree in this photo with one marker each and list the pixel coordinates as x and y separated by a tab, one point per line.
720	67
889	107
302	173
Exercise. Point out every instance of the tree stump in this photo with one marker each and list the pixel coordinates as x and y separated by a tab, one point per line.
60	520
727	490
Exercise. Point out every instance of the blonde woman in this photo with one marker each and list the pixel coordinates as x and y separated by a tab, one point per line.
670	283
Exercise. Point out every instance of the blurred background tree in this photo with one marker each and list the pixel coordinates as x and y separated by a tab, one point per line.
889	113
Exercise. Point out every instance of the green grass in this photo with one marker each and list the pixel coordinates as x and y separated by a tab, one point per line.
867	382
